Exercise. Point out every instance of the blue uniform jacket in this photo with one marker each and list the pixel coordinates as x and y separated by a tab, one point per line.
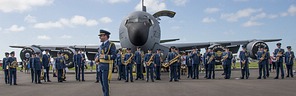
209	55
244	55
138	57
118	59
37	63
45	60
289	57
59	63
4	64
147	58
279	50
195	58
228	59
111	55
205	58
187	61
157	59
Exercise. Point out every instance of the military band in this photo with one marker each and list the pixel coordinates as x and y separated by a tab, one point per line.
172	59
12	63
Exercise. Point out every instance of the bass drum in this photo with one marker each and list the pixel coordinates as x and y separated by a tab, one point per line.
218	49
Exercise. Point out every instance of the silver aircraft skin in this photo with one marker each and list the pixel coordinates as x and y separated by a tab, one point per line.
141	29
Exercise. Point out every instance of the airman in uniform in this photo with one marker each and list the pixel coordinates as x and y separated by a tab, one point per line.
261	56
278	53
149	65
157	61
266	60
244	61
45	61
59	63
138	61
5	68
171	55
195	61
107	55
12	70
178	67
205	60
128	60
227	60
76	60
289	60
121	67
81	65
211	56
37	67
189	65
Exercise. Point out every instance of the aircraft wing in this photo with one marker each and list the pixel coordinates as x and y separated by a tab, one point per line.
232	44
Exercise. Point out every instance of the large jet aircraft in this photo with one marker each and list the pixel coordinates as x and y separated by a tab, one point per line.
141	29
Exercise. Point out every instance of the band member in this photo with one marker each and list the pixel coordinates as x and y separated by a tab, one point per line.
5	68
45	61
266	60
64	66
244	61
31	61
121	67
128	60
12	68
138	61
97	67
184	63
76	60
278	53
172	56
107	54
211	56
59	64
205	60
189	65
157	61
149	65
81	65
37	67
261	56
195	61
178	67
227	60
289	60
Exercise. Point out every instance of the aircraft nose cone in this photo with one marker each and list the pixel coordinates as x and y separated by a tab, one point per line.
138	33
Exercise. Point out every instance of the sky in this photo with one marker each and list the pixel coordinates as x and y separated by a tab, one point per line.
77	22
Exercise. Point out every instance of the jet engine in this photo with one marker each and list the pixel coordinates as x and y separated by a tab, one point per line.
27	52
254	46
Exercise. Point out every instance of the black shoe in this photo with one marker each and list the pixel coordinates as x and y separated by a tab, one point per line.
83	80
287	76
126	81
97	81
39	83
170	81
136	79
259	78
223	73
48	81
247	77
276	78
152	80
193	78
132	81
176	80
264	77
242	78
14	84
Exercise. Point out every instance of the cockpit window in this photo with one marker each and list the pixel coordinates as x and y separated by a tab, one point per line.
137	20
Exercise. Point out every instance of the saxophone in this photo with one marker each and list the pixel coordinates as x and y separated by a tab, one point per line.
278	55
211	59
13	64
172	61
42	71
150	60
262	57
129	60
244	61
225	57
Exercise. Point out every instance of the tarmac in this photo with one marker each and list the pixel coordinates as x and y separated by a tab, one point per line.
185	87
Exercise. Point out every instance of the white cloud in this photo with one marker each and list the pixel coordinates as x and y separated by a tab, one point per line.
30	19
211	10
180	2
66	37
21	5
208	20
105	20
272	16
233	17
63	22
284	14
152	5
251	23
292	10
43	37
118	1
259	16
15	28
